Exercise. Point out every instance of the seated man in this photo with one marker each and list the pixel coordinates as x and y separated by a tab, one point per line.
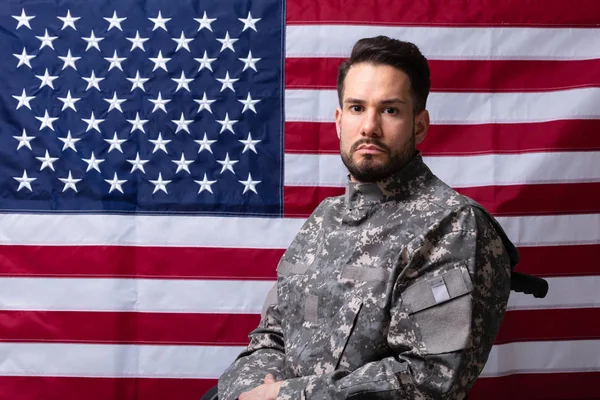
395	290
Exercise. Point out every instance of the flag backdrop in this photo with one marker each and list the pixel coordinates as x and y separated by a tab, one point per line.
157	157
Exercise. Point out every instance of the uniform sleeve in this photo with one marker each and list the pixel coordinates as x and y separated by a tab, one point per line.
445	312
264	355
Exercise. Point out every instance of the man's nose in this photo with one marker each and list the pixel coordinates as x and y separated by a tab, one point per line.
371	124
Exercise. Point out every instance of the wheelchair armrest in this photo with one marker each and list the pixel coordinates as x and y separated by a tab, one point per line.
528	284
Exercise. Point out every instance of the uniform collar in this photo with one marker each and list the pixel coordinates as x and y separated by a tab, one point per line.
402	184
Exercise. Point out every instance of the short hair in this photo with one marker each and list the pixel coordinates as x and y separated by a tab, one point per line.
405	56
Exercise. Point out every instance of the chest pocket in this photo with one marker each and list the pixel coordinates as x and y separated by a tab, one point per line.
441	307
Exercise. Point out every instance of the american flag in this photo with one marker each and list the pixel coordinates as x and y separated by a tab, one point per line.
157	157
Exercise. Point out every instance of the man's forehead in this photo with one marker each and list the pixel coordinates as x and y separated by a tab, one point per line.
381	82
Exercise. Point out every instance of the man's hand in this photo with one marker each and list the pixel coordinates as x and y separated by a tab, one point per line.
267	391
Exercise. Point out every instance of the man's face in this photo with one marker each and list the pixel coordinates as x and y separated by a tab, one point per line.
376	125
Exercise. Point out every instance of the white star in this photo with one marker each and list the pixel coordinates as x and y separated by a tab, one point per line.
69	102
182	124
46	79
69	61
227	124
115	22
183	164
205	184
69	142
138	82
227	164
250	62
24	181
47	161
227	42
24	140
205	144
115	183
205	22
249	143
249	22
92	81
92	41
204	103
205	62
159	22
115	143
227	82
23	19
68	21
47	40
137	163
182	82
137	41
160	184
93	163
69	182
46	121
249	103
183	42
160	62
137	123
24	58
159	103
159	144
115	61
249	184
93	123
24	100
115	103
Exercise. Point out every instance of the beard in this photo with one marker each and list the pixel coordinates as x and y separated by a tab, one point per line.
372	168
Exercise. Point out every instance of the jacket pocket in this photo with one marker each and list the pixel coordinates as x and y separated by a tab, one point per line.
441	308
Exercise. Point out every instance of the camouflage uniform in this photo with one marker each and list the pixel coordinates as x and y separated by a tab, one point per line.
394	290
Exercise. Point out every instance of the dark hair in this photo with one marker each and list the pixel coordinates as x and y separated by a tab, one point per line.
405	56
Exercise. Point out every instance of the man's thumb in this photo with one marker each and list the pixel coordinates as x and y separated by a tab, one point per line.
269	378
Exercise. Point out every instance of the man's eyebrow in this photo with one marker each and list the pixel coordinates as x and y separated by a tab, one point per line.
394	100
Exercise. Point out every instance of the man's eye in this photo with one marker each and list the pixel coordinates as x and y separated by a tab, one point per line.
390	110
356	108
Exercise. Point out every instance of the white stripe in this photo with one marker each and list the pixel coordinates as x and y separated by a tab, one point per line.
461	171
80	230
197	296
148	361
115	361
142	295
465	108
143	230
543	357
451	43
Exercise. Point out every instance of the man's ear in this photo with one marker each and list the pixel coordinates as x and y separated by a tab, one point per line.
338	121
421	126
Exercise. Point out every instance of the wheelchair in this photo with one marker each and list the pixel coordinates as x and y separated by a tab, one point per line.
519	282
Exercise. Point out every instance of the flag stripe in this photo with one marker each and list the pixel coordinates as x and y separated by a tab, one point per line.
243	264
461	171
69	388
547	199
198	296
456	43
563	135
488	12
467	108
464	75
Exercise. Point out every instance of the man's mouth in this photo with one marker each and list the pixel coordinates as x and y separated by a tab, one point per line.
369	149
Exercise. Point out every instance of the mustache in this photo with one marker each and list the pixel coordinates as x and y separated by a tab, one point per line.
370	141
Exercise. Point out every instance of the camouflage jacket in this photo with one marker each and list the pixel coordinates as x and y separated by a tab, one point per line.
395	290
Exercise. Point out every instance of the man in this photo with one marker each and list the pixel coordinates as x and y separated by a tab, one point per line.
395	290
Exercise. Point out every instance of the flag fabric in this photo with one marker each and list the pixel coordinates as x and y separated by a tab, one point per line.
157	157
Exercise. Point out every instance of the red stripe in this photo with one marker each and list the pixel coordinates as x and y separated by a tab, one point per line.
454	13
580	260
546	386
564	135
67	388
550	199
556	324
464	75
127	327
139	262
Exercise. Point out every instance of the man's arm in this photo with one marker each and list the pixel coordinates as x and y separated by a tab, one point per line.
441	331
